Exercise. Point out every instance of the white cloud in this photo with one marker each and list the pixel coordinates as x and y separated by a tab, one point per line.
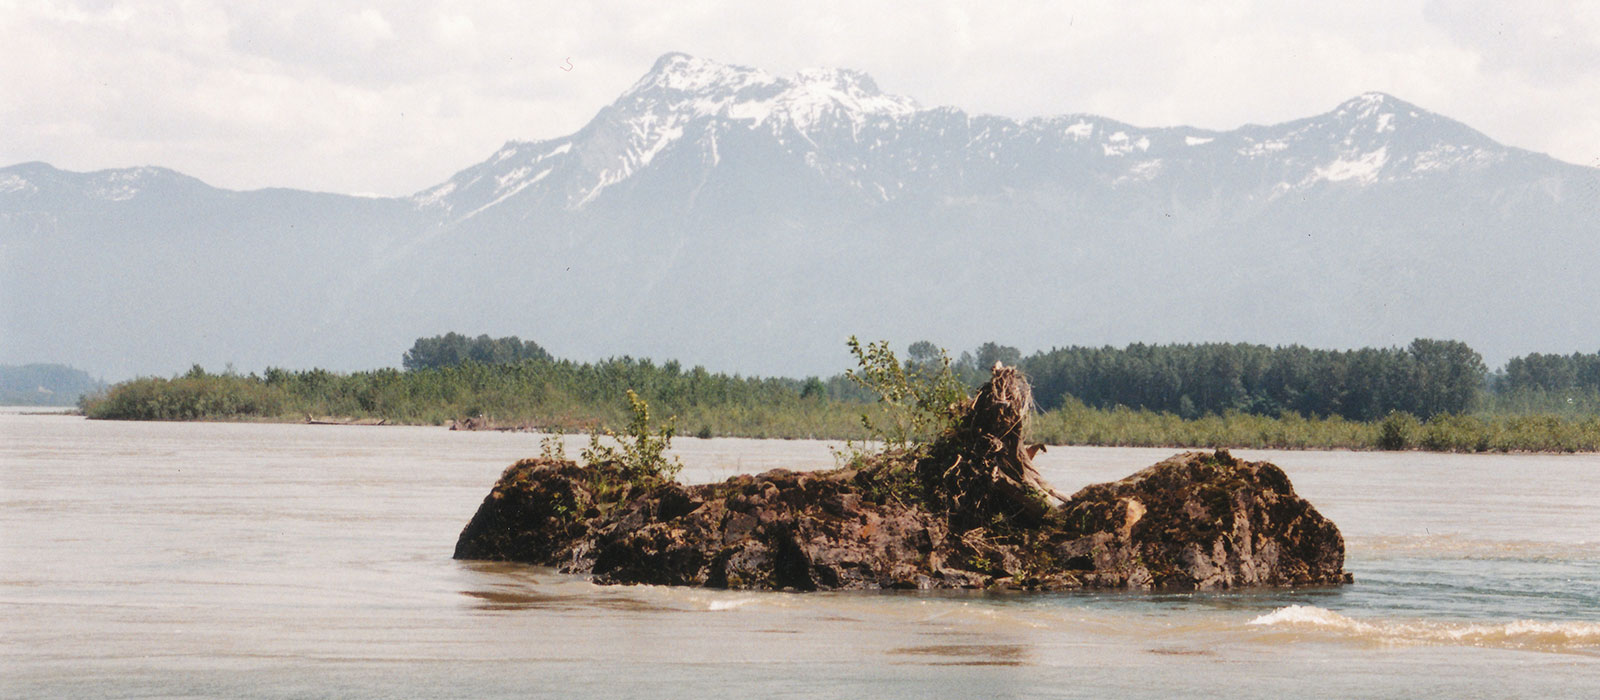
394	96
1539	40
455	30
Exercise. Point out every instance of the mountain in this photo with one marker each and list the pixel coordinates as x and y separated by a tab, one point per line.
44	385
729	217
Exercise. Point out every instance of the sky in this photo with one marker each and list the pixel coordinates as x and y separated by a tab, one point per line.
388	98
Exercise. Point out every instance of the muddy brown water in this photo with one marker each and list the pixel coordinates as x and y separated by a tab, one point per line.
252	560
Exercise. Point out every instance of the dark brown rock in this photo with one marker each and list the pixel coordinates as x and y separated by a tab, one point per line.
1195	521
1198	521
968	511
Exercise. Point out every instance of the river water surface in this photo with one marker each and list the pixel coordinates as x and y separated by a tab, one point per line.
246	560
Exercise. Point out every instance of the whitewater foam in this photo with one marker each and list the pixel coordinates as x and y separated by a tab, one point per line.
735	604
1531	635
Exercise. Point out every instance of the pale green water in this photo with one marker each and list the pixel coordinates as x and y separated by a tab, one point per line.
226	560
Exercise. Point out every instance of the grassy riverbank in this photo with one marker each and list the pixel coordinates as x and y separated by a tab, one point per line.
550	395
572	397
1078	425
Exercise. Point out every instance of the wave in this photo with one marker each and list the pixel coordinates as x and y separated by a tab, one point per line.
1531	635
734	604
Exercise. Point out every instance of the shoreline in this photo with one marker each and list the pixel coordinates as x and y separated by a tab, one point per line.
370	422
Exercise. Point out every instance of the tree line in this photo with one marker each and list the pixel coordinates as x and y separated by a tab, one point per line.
1577	372
453	349
1430	394
1425	378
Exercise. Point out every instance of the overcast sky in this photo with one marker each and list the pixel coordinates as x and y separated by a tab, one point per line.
391	97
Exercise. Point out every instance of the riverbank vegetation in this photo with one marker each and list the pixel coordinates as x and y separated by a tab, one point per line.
1076	424
538	394
1433	395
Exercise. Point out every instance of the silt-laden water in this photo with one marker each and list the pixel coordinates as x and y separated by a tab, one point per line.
245	560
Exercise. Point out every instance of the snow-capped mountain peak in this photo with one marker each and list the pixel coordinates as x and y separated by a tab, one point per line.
692	87
693	114
677	72
816	91
681	98
1368	104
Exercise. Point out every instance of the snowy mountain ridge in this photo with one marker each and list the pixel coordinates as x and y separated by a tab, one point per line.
840	125
825	117
725	216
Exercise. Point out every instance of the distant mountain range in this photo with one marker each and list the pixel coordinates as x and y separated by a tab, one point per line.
44	385
729	217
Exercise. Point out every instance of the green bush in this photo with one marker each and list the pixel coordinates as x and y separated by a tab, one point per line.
920	399
1397	431
1455	433
641	450
194	396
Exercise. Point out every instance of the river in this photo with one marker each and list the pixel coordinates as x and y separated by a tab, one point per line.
278	561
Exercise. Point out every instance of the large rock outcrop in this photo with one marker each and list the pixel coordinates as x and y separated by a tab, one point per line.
968	512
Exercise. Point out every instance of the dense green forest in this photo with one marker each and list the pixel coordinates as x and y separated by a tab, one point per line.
1550	373
45	385
1431	394
1427	378
453	349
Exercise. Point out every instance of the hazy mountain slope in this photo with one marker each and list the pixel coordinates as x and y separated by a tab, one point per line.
146	270
44	385
746	221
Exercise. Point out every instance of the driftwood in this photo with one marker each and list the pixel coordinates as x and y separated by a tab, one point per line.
983	466
352	421
490	424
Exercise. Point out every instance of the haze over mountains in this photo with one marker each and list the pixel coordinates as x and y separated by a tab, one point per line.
749	222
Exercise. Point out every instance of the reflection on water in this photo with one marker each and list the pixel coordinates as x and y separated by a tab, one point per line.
293	561
1179	652
968	654
517	587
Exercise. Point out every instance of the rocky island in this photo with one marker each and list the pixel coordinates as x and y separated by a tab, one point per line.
967	510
